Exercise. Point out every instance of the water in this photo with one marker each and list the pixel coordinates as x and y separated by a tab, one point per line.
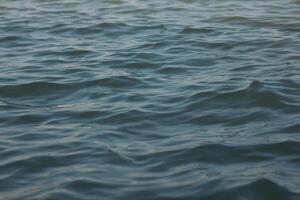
150	100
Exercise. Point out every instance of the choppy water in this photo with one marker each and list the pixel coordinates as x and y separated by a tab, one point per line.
150	100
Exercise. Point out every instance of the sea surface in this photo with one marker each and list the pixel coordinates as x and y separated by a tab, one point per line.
149	100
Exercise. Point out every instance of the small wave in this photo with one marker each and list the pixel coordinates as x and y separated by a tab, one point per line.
57	28
66	52
11	38
125	117
38	162
86	184
138	65
259	189
90	29
219	154
254	95
30	89
204	30
147	56
41	88
234	19
201	62
294	128
171	70
96	28
115	82
25	119
246	67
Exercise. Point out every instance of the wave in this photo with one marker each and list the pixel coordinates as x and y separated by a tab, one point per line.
171	70
11	38
256	94
259	189
204	30
42	88
219	154
96	28
103	27
68	52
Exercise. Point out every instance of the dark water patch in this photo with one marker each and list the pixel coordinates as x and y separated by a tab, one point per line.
117	82
87	184
260	189
172	70
139	65
225	155
295	128
25	119
244	68
100	27
34	164
204	30
10	39
233	19
200	62
30	89
72	53
254	95
47	88
58	28
125	117
228	120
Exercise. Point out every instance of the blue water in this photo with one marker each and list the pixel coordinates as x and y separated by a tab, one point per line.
150	100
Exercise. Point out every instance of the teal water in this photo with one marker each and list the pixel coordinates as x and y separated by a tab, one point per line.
150	100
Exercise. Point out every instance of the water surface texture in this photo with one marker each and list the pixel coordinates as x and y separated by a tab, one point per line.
150	99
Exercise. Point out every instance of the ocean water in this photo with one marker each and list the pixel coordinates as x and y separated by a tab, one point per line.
150	100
